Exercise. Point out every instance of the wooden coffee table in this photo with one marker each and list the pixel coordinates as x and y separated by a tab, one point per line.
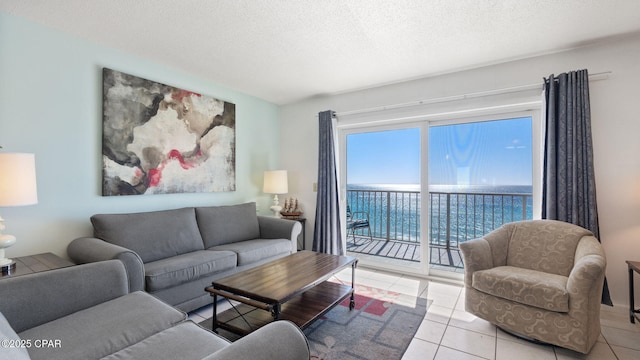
293	288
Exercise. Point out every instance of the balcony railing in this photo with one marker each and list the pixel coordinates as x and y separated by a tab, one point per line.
453	217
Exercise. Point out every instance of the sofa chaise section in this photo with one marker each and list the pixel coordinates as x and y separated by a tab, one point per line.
87	312
175	254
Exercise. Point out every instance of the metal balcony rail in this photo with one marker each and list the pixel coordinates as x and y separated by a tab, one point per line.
453	217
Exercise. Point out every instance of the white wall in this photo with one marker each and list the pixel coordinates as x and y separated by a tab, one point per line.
615	126
51	105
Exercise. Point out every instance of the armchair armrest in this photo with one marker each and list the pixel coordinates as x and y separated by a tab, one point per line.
476	256
280	340
588	270
35	299
275	228
87	249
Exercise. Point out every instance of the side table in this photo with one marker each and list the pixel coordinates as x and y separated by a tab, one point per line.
633	266
36	263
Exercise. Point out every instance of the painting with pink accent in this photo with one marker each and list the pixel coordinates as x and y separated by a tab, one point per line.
159	139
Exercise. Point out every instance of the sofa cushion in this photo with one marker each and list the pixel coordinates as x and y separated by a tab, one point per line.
183	268
251	251
105	328
529	287
153	235
184	341
221	225
11	347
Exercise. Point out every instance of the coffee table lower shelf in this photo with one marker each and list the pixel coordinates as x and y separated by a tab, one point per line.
302	310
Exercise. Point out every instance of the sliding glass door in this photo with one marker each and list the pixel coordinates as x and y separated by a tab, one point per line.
382	196
414	192
480	177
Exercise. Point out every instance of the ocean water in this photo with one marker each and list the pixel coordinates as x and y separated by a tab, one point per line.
456	213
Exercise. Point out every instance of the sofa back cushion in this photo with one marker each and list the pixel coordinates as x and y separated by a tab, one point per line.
544	245
221	225
153	235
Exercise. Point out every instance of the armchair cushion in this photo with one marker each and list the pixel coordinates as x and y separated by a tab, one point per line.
547	246
530	287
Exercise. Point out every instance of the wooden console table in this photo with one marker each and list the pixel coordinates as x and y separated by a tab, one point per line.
633	266
36	263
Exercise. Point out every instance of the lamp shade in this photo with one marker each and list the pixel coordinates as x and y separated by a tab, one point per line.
275	182
17	179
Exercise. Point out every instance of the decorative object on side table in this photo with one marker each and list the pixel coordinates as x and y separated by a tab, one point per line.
17	187
275	182
291	209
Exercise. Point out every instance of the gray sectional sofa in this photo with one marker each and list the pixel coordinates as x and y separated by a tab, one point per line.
175	254
87	312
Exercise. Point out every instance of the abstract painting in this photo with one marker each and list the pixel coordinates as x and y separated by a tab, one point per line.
159	139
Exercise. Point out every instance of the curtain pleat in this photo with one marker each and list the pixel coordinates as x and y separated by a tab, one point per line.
569	189
327	236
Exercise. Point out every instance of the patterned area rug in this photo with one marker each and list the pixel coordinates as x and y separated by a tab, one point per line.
381	326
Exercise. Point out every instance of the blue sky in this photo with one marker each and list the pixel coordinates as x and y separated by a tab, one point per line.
484	153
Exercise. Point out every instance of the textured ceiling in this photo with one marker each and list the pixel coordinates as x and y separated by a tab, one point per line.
286	50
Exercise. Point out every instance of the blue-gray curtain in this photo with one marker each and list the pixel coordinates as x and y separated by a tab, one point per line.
569	188
327	236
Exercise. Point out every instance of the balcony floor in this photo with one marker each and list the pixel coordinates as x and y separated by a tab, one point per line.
403	250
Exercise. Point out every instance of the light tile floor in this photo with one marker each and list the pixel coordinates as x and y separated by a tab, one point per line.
448	332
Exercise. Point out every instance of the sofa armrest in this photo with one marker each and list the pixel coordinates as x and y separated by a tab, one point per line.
476	256
280	340
35	299
87	249
276	228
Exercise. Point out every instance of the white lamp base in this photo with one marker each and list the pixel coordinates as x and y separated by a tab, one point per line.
276	208
7	265
8	268
276	211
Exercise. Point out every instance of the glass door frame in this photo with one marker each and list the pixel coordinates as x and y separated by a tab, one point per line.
424	124
342	136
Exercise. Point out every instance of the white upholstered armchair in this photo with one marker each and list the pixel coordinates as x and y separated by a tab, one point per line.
541	279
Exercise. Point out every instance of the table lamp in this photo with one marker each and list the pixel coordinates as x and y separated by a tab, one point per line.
275	182
17	187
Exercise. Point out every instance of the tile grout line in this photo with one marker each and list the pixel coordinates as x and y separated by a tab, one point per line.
609	345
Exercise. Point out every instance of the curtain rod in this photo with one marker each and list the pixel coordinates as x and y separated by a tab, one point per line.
592	77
